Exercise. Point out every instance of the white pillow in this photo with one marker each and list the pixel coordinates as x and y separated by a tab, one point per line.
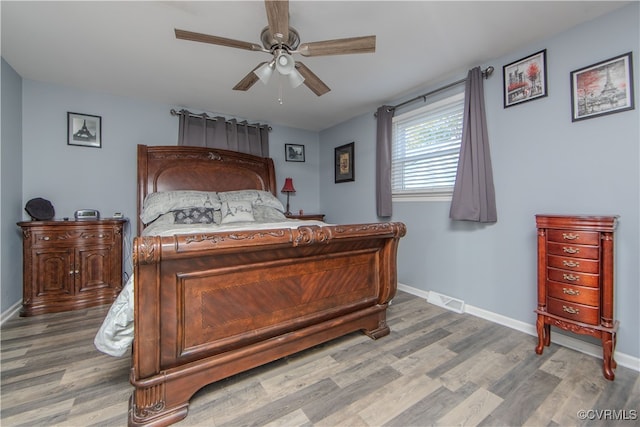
156	204
256	197
237	211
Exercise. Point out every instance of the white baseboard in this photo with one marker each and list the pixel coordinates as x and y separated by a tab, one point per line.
575	344
10	312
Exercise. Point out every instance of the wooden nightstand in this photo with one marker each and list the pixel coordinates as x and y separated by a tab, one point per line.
69	265
308	217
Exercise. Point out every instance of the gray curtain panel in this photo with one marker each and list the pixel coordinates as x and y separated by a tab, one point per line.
217	132
474	197
383	161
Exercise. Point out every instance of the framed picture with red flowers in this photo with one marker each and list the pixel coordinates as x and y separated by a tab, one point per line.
602	88
525	79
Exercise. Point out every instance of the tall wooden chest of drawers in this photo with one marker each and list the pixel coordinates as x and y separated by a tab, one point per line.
575	280
70	265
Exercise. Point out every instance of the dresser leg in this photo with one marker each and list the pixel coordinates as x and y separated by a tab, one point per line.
542	334
608	362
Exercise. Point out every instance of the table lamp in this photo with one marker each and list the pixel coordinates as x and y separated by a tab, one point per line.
288	188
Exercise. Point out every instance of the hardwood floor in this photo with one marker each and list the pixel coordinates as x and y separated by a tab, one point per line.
436	368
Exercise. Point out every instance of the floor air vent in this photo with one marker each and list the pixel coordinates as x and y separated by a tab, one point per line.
444	301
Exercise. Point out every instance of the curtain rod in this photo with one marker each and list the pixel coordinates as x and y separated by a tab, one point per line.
206	116
485	73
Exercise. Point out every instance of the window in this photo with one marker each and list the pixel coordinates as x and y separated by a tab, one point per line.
426	147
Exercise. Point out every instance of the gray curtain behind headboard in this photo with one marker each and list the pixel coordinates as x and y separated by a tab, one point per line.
201	130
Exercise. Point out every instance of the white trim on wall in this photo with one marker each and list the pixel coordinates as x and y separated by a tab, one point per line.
594	350
10	312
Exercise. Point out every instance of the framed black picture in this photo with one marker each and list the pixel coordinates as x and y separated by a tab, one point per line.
602	88
294	152
344	163
525	79
84	130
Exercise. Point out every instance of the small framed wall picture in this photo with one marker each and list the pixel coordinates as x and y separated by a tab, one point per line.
525	79
294	152
344	163
84	130
602	88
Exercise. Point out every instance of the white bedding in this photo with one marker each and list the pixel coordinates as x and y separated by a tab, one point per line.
116	332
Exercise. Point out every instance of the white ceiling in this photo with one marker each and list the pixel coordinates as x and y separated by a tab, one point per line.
129	49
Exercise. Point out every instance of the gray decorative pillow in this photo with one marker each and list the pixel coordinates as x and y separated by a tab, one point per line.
194	216
237	211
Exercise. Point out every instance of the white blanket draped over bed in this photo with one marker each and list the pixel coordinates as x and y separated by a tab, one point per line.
181	212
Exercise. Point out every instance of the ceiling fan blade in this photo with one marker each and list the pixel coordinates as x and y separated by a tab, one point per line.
278	18
365	44
248	80
312	81
222	41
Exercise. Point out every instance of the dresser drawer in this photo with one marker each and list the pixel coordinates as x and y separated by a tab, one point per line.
57	237
574	251
574	236
573	278
573	311
574	264
572	293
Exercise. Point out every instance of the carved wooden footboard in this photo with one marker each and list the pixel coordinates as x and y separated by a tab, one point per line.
212	305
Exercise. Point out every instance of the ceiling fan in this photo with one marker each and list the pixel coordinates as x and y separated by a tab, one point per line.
283	41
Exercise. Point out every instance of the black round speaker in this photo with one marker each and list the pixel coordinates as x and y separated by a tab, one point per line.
40	209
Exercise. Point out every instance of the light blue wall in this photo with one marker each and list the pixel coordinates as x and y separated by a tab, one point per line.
10	188
542	163
73	177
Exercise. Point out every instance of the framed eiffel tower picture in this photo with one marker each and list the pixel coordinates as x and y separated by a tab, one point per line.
602	88
84	130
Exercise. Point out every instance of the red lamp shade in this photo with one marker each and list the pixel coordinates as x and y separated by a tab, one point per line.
288	186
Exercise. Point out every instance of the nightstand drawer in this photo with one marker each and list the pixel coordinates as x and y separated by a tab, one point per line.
88	236
574	264
572	293
577	312
574	237
574	251
573	278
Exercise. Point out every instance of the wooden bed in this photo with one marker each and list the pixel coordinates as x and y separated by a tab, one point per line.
212	305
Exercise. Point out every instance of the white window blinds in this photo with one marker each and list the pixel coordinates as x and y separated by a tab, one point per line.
426	147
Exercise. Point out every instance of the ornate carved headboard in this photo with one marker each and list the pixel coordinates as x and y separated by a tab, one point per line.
167	168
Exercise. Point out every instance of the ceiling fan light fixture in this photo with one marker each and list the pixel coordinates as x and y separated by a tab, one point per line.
265	71
285	63
295	78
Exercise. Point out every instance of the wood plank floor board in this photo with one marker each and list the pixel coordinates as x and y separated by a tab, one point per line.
436	367
432	407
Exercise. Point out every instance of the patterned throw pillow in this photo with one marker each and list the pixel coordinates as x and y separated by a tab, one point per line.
237	211
194	216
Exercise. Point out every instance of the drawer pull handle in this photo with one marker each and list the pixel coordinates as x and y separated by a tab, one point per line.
570	236
570	277
71	273
46	238
570	291
101	235
570	250
570	263
570	310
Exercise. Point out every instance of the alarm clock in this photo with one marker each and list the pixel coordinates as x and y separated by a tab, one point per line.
85	214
